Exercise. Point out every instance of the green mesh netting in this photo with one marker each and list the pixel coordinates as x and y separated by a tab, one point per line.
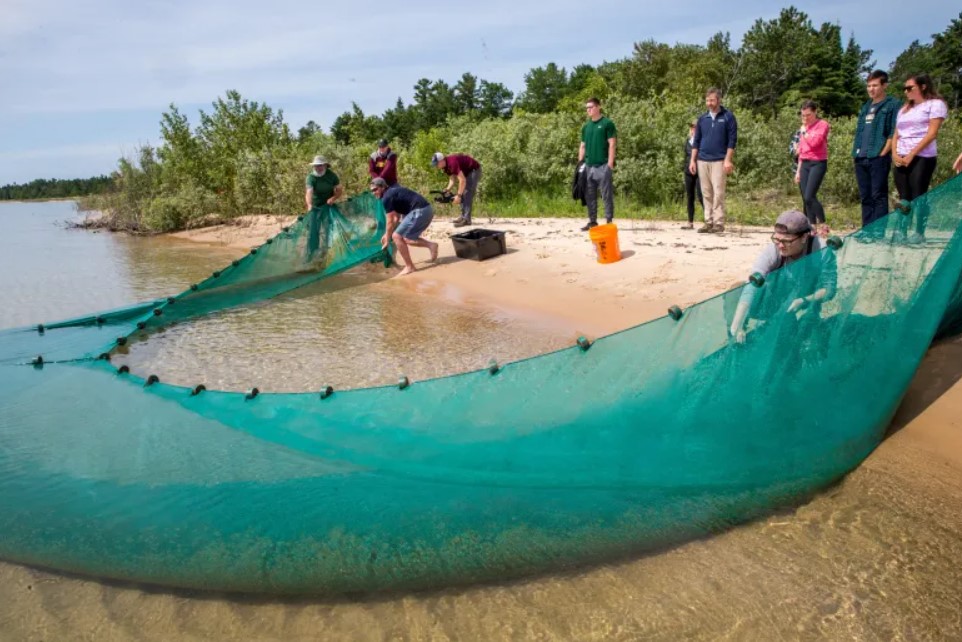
663	432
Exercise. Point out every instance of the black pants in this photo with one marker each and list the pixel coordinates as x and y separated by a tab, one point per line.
692	187
812	174
912	181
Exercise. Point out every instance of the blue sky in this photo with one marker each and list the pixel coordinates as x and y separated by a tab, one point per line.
84	85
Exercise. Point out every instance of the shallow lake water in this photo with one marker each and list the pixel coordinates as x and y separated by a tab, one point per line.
874	557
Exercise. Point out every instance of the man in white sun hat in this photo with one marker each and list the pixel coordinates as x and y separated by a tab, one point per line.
323	187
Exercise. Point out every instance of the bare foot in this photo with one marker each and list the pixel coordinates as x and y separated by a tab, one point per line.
406	271
434	252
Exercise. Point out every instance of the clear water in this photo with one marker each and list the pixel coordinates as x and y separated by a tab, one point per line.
359	329
355	331
876	557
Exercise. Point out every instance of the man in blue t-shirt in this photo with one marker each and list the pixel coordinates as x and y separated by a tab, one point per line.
414	213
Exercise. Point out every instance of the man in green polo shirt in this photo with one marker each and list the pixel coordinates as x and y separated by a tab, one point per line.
597	150
323	187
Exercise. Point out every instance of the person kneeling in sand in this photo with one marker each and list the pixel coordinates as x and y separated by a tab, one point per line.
414	213
792	240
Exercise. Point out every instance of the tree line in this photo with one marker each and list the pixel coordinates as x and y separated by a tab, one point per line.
242	158
55	188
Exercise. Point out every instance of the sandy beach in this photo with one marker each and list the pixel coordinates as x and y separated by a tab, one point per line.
550	267
875	557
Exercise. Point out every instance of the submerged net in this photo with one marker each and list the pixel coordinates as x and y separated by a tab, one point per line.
665	431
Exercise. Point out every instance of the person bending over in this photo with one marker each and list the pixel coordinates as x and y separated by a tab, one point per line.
468	173
408	215
792	240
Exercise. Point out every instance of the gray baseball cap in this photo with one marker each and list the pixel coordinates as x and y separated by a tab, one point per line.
794	222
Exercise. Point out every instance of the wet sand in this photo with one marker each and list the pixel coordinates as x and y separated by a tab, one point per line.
874	557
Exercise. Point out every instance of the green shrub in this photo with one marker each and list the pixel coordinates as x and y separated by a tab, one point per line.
188	207
528	162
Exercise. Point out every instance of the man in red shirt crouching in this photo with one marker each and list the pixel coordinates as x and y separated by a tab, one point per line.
468	172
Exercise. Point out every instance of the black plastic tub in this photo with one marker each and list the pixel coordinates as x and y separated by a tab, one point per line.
479	244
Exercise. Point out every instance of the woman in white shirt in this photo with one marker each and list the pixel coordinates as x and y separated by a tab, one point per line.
916	128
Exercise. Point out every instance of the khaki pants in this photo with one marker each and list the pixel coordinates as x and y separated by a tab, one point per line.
712	176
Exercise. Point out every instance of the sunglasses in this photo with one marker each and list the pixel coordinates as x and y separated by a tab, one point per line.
783	241
909	87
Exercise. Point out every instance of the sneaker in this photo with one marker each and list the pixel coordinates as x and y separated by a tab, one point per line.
460	222
915	238
717	229
707	228
590	225
688	226
898	237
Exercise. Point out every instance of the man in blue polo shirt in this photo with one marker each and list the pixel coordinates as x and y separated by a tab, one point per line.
712	156
414	213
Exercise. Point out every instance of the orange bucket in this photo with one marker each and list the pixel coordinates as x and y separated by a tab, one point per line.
605	238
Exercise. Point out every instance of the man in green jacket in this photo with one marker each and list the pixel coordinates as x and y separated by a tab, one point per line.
872	150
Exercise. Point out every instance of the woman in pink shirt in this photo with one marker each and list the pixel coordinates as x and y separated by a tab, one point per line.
916	128
813	157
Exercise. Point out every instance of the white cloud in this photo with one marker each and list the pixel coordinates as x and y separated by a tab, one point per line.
128	56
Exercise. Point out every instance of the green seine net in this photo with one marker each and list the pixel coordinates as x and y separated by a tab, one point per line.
666	431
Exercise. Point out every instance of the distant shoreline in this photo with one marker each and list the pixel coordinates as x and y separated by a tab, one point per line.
39	200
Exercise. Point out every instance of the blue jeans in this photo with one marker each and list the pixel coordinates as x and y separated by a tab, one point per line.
471	180
872	176
414	224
